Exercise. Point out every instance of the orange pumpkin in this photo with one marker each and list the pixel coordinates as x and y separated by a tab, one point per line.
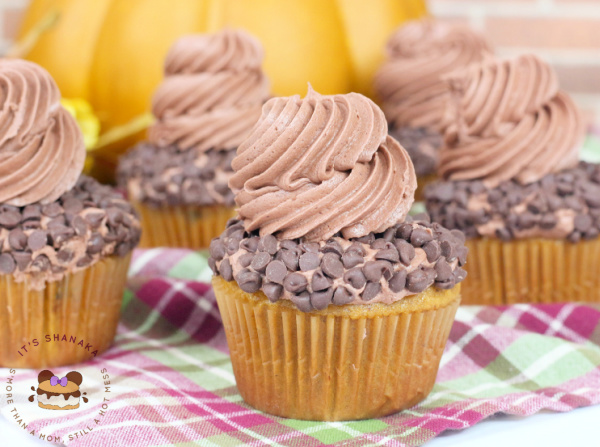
111	52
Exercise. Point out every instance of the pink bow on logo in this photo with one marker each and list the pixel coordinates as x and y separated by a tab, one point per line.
55	381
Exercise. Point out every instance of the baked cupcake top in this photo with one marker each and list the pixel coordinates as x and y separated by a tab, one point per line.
323	195
52	220
420	53
511	155
211	97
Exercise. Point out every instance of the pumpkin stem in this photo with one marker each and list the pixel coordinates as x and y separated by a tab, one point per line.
117	133
22	47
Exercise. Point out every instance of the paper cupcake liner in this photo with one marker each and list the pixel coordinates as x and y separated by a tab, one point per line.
182	226
83	306
341	363
531	271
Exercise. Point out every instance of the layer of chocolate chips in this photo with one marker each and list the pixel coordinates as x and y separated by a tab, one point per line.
422	145
339	271
521	207
168	176
80	227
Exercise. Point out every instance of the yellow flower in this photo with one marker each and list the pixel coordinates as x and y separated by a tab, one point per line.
87	120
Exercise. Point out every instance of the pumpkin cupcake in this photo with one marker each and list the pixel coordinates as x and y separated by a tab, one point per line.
65	239
411	88
211	97
335	303
514	185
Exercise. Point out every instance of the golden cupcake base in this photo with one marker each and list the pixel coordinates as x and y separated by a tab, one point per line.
83	306
182	226
342	363
531	271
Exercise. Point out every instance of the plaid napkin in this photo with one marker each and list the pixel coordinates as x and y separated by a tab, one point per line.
173	383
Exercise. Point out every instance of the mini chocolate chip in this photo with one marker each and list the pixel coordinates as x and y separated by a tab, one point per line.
417	281
503	234
295	283
80	226
84	261
404	231
390	253
248	281
64	255
320	281
288	244
32	212
302	301
548	221
226	270
23	259
432	250
268	243
405	250
378	244
458	235
72	205
311	247
448	250
321	299
372	289
250	244
583	222
573	203
93	219
342	296
273	291
443	270
592	199
459	275
374	270
276	271
355	277
41	263
289	258
332	246
245	259
217	249
308	261
213	265
10	219
358	248
332	265
398	281
367	239
462	253
592	233
52	209
443	191
389	234
351	259
420	236
17	239
7	263
235	228
232	245
37	240
574	237
260	261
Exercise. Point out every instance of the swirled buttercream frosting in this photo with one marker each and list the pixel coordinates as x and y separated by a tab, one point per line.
212	93
317	166
41	147
510	121
420	53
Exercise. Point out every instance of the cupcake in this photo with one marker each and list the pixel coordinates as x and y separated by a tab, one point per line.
65	239
210	98
335	303
412	91
513	184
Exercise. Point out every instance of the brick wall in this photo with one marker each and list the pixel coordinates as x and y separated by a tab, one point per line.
564	32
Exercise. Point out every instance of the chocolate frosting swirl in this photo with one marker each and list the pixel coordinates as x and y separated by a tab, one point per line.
420	53
511	121
212	93
41	147
316	166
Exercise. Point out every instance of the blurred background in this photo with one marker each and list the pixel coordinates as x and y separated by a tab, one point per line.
566	33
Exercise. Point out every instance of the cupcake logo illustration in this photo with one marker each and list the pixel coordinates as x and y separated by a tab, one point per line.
58	393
